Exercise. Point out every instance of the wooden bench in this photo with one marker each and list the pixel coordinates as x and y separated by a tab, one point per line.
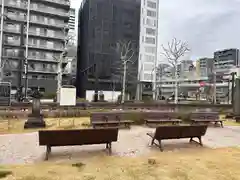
205	118
77	137
155	117
177	132
110	119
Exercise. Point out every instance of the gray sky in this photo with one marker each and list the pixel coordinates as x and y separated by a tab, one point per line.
207	25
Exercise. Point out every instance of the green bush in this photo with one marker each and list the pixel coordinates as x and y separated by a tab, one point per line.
135	117
49	95
82	100
4	174
185	117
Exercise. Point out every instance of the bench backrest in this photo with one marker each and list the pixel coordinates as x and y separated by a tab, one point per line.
204	115
77	137
175	132
158	115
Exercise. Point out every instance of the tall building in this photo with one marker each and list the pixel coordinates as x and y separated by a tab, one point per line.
72	25
48	22
103	23
206	66
226	59
148	40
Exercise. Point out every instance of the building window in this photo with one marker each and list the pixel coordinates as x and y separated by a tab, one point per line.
151	4
150	50
151	22
151	13
150	31
34	77
149	58
32	66
150	40
147	77
148	67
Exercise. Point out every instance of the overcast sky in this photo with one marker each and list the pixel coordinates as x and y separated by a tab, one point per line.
207	25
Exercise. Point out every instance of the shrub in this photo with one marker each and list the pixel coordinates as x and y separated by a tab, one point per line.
185	117
49	95
82	100
4	174
135	117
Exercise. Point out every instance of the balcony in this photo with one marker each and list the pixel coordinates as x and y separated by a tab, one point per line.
62	2
16	17
47	24
45	47
34	33
15	5
11	29
51	12
37	58
12	42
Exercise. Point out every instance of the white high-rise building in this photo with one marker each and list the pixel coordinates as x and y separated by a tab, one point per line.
72	25
148	40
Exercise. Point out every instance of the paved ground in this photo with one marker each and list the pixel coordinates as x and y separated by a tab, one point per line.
23	148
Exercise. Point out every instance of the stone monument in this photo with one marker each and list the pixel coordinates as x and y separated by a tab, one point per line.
35	119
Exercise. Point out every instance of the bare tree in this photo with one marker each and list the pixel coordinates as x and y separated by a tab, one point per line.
125	50
175	50
62	61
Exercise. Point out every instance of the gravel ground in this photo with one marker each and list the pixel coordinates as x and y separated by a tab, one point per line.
24	148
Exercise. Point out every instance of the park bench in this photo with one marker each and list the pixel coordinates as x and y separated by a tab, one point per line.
53	138
110	119
157	117
177	132
205	118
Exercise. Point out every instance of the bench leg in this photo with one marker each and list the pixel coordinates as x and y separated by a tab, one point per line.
191	139
48	151
221	124
109	148
200	140
152	141
160	145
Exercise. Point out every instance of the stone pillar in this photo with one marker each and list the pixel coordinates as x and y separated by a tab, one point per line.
35	119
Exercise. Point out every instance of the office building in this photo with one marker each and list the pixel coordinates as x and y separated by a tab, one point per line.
226	59
47	22
103	23
72	26
205	66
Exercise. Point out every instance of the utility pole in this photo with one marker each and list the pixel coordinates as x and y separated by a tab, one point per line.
214	87
1	38
21	59
233	87
26	54
96	74
124	80
176	85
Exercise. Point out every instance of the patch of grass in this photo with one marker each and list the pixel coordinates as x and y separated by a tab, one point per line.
181	165
79	165
229	122
4	173
17	126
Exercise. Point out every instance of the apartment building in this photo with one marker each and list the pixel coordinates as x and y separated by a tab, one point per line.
48	25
